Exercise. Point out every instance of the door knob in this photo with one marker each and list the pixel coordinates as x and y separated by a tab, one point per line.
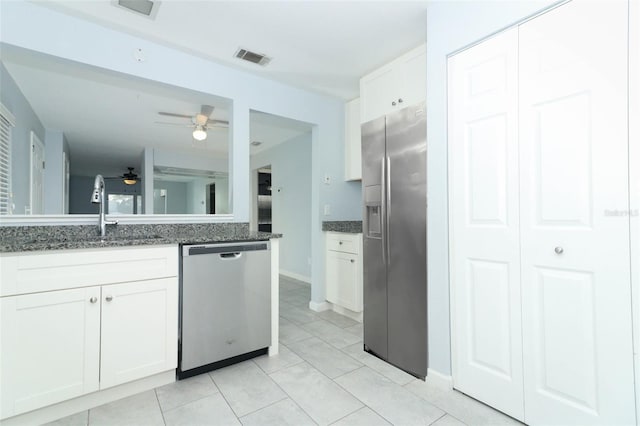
559	250
108	298
93	299
353	261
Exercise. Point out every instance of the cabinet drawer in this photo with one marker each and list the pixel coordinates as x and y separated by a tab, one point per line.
347	243
32	272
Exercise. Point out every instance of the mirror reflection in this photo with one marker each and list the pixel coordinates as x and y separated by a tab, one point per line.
161	149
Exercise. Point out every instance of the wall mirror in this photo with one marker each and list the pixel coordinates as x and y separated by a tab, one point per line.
161	149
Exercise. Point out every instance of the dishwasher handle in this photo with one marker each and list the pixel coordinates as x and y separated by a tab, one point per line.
193	250
230	256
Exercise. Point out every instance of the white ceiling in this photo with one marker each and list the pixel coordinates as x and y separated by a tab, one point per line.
323	46
109	118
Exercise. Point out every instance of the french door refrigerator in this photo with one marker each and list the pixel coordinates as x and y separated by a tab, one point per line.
395	238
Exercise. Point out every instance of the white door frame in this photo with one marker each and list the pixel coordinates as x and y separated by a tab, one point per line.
634	181
35	141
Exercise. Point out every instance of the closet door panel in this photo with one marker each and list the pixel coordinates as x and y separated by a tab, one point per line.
578	366
483	182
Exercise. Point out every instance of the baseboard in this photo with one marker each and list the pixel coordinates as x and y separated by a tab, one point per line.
319	307
356	316
294	276
439	379
85	402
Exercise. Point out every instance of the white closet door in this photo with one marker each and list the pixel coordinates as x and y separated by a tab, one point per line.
485	261
578	366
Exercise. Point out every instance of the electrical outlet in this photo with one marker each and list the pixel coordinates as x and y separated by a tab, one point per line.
327	209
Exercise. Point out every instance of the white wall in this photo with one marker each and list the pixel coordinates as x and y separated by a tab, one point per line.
290	200
26	121
31	26
451	25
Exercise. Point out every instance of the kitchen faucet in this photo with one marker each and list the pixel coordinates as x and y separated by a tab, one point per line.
98	198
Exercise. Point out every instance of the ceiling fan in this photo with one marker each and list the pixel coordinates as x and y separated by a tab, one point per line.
129	178
200	122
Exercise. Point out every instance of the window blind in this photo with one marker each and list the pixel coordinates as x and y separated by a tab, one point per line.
5	165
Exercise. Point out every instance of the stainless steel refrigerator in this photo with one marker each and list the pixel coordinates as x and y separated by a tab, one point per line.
395	238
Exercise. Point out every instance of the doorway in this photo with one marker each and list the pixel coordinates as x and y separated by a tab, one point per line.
36	205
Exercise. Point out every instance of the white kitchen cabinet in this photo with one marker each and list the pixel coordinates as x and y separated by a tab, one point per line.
352	141
67	342
50	348
139	331
344	270
395	85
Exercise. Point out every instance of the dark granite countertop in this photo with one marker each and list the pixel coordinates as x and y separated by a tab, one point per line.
346	226
38	238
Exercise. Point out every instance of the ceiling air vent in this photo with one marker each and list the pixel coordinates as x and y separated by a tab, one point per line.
256	58
144	7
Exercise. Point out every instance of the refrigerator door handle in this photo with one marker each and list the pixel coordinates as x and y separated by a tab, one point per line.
387	234
383	212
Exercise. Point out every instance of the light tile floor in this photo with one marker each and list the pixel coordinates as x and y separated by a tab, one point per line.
321	376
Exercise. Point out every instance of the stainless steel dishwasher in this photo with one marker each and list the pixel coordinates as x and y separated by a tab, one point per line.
225	305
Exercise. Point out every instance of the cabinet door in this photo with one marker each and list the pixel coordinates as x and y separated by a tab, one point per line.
139	330
377	92
342	280
486	329
577	344
412	77
50	348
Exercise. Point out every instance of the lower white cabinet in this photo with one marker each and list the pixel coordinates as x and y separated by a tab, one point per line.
139	330
344	270
50	348
61	344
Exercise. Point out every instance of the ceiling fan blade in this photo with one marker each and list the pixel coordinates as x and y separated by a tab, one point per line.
206	110
170	114
173	124
223	122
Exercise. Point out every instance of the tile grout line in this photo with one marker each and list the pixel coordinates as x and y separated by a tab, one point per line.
291	397
364	403
155	392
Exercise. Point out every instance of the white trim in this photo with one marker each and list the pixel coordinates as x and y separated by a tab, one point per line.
319	306
439	379
8	115
295	276
95	399
356	316
634	184
91	219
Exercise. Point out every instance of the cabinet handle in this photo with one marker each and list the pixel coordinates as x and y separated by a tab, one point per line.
93	299
353	261
108	298
559	250
393	103
399	100
340	242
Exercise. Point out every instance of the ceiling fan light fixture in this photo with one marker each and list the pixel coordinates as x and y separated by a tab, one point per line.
199	133
128	181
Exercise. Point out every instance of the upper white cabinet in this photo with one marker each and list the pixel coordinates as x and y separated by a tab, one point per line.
397	84
78	333
352	141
